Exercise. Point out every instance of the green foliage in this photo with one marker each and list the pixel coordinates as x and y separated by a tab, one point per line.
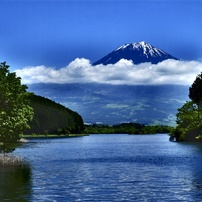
127	128
189	122
187	118
15	111
53	118
195	91
195	94
130	128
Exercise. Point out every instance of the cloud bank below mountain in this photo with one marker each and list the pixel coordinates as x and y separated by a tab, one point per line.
123	72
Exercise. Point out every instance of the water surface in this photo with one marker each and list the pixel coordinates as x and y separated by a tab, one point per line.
108	168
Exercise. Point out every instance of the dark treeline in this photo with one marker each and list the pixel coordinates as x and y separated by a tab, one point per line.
127	128
53	118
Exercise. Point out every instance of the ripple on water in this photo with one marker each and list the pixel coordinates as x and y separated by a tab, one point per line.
115	168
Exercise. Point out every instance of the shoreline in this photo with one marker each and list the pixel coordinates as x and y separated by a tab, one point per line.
34	136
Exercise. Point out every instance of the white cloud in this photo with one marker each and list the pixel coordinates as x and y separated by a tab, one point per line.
124	72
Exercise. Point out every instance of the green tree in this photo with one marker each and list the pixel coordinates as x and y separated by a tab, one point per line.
195	94
187	121
15	111
195	91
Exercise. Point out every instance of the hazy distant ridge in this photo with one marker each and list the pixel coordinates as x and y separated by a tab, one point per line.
113	104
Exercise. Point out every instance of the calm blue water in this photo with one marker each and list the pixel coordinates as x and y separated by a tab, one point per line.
107	168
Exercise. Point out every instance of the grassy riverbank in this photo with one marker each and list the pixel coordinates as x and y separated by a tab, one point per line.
51	136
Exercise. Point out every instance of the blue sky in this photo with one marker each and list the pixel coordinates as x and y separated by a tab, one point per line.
55	32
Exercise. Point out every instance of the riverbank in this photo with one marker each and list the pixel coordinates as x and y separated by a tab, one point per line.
11	160
24	137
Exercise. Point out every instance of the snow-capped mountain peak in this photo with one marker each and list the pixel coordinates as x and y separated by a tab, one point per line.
139	52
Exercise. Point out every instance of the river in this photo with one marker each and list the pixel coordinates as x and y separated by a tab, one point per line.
105	168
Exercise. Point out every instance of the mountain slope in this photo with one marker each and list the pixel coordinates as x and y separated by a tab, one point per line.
137	52
114	104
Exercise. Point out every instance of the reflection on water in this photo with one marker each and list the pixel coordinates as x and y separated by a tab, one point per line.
15	183
107	168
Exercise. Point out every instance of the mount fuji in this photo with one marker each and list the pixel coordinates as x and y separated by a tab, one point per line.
114	104
137	52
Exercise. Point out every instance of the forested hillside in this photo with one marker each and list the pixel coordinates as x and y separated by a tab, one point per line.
51	117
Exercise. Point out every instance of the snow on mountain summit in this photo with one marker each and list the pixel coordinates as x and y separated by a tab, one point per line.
139	52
